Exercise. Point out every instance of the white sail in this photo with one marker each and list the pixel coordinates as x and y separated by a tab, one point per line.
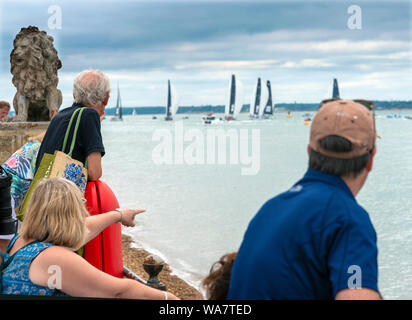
175	100
118	115
172	104
263	99
239	98
253	100
329	93
228	97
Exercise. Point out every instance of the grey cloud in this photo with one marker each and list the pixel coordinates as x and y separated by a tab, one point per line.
289	41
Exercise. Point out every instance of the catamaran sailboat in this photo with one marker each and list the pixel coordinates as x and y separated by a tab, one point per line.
234	103
118	115
261	106
172	102
256	100
268	107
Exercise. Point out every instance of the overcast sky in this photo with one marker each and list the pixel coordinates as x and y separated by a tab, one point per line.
299	45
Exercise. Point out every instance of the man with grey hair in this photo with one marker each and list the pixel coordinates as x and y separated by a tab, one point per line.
91	89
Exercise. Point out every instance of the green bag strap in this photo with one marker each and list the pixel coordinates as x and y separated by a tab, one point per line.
75	132
77	111
66	136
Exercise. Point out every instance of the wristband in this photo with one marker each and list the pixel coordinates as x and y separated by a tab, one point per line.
166	297
121	215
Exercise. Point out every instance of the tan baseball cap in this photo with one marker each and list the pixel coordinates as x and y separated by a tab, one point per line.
347	119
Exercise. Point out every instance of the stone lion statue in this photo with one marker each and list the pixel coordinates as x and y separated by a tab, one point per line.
34	64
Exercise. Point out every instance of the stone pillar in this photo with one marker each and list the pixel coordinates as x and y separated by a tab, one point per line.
13	135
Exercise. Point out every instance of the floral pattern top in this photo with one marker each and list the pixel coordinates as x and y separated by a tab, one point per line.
21	166
15	271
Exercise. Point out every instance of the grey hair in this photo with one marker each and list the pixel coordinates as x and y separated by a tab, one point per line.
90	87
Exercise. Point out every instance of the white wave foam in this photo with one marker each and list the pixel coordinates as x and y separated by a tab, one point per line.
178	267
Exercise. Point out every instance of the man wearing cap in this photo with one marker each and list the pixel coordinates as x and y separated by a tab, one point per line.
315	241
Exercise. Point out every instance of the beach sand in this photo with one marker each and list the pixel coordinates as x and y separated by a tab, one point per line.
133	259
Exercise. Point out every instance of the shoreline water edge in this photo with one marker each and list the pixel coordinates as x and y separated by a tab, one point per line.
133	257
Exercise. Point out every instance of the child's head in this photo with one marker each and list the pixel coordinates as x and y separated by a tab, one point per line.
217	282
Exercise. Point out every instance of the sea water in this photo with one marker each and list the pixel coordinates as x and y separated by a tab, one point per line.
196	212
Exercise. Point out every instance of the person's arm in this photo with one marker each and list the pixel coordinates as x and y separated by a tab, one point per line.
97	223
94	170
358	294
76	277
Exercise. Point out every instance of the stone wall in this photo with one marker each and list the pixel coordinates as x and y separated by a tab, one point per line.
13	135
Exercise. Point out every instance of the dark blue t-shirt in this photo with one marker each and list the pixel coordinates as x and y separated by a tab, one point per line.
89	137
307	243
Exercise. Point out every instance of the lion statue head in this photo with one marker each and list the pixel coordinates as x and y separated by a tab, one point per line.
34	64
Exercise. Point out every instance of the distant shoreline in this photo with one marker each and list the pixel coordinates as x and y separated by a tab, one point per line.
295	107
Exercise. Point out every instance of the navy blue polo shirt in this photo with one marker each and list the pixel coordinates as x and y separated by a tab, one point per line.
88	140
309	242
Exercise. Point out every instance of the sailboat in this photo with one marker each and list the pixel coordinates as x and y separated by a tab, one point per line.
234	103
172	102
258	98
118	115
335	92
268	106
334	89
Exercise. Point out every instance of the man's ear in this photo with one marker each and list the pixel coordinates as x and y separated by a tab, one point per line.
369	165
106	100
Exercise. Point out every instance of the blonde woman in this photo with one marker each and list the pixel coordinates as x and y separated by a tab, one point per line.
41	259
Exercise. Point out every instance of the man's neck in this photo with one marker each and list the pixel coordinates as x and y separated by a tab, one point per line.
356	184
99	109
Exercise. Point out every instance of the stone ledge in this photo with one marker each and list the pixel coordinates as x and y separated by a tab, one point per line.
23	125
13	135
